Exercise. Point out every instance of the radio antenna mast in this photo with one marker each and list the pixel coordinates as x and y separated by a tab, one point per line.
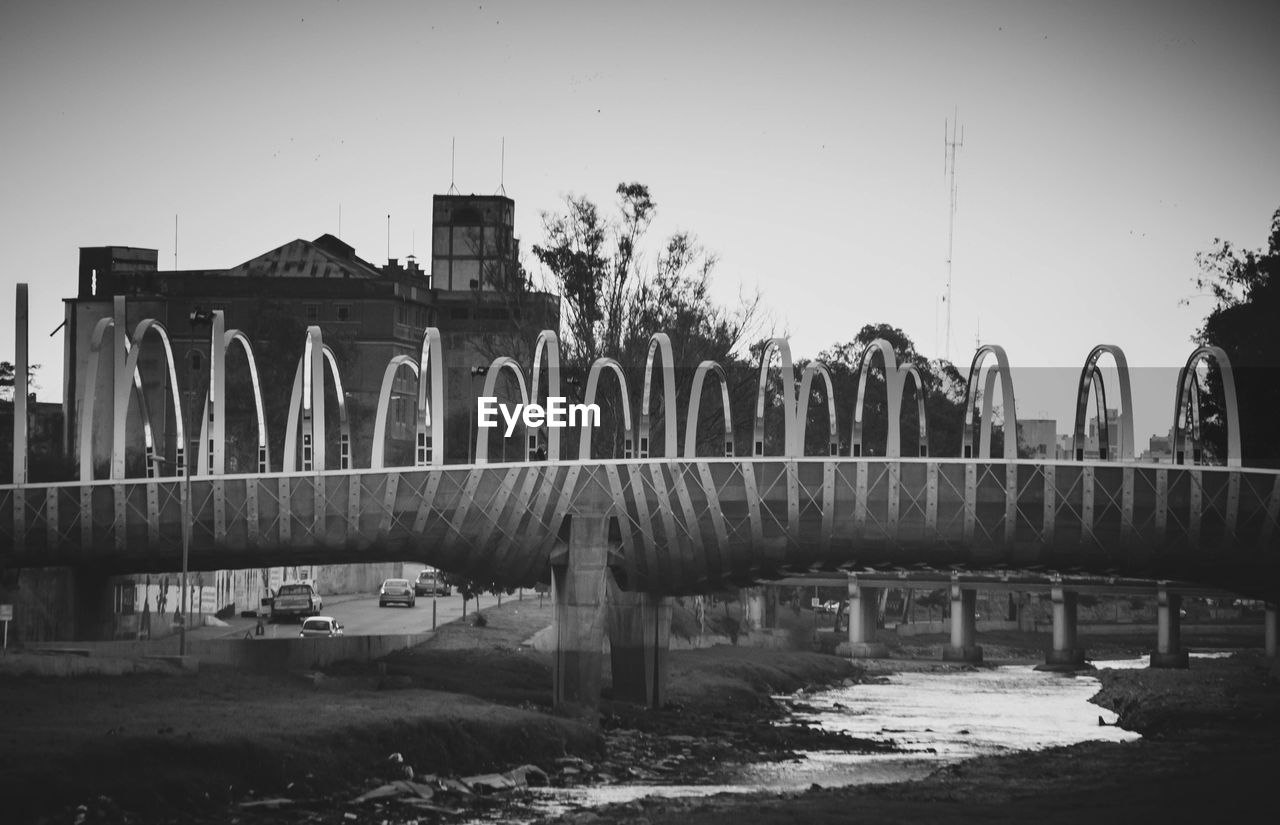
950	144
502	170
453	153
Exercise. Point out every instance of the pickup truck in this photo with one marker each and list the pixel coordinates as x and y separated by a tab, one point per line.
294	601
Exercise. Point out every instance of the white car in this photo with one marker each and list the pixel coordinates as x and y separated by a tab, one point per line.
322	626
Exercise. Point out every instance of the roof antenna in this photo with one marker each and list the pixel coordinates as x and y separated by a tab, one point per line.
502	170
388	238
175	241
950	144
453	152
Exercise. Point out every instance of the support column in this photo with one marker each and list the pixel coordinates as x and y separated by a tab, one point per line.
963	647
639	638
864	605
578	590
1270	628
1168	652
755	607
1064	653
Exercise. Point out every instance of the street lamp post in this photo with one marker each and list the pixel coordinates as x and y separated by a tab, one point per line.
197	317
471	416
186	549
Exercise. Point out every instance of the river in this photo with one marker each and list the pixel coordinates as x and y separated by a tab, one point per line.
935	715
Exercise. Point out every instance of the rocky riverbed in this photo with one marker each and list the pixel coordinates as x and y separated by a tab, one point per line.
460	729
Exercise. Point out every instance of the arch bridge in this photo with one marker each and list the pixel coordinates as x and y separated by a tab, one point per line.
651	525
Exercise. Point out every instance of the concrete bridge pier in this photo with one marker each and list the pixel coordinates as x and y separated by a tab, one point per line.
1064	653
1270	627
579	592
639	638
864	604
1168	652
760	610
963	647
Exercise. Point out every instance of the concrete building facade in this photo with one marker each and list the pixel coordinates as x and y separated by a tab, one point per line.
477	298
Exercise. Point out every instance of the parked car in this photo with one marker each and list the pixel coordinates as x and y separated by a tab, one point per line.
322	626
295	600
430	582
396	590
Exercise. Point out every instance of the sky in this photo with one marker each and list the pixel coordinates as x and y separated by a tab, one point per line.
1104	145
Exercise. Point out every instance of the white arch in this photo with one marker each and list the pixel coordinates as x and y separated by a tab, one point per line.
132	375
307	398
1091	376
593	383
216	444
909	371
695	405
659	342
1188	391
895	380
377	453
802	406
429	430
126	378
548	342
344	426
235	336
490	387
783	348
1006	392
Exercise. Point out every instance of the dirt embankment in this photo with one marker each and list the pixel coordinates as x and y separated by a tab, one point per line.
149	749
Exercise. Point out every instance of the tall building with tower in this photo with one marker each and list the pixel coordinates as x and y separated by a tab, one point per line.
473	244
368	313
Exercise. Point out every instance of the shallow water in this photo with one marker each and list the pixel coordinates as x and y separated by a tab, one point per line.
935	717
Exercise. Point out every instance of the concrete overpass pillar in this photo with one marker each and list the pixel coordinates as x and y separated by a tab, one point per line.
1270	627
1168	652
756	608
579	592
864	605
1064	653
963	647
639	638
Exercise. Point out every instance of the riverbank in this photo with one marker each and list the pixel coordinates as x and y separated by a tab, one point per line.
1210	747
474	703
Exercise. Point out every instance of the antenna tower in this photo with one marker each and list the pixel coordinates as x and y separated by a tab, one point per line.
502	170
950	144
453	153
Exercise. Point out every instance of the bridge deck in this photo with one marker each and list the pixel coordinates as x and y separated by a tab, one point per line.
684	525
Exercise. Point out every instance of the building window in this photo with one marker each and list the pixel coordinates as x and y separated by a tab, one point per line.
313	312
344	312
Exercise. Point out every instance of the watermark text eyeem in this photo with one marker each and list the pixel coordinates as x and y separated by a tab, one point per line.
557	413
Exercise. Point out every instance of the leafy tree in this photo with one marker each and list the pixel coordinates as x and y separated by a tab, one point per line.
944	397
613	298
1245	285
8	376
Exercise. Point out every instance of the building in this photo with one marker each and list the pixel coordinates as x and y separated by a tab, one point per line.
473	245
1039	437
1092	444
478	298
1159	449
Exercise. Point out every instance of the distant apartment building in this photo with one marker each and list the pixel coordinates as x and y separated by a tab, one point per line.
1159	449
1093	445
1039	437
